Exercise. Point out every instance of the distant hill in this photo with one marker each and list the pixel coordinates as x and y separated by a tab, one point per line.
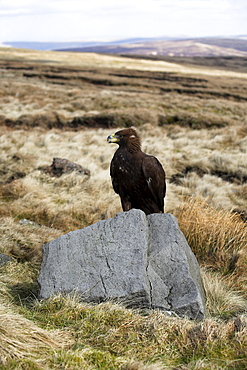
48	45
77	44
167	46
186	47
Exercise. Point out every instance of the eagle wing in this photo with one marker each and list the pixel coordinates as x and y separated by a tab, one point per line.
155	177
114	177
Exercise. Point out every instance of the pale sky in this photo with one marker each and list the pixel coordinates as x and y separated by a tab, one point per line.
79	20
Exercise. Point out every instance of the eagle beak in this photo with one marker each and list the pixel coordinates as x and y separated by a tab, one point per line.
113	138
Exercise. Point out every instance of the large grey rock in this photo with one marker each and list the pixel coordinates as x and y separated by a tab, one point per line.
143	261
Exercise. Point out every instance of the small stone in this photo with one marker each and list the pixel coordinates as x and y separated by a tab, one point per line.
4	258
60	166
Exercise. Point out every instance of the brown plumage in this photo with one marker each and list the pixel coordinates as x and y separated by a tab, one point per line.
138	178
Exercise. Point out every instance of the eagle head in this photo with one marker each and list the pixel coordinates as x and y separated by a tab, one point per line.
126	137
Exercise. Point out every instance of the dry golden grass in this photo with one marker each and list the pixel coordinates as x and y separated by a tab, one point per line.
218	238
76	200
21	338
107	61
22	240
196	126
222	301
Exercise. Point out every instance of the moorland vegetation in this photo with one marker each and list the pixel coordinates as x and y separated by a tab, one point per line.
193	119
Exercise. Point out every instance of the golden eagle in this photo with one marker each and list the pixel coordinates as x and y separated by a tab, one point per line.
138	178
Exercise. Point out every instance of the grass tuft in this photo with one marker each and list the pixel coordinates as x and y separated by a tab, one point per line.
218	239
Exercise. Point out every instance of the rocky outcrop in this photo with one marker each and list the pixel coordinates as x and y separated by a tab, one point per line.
141	261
